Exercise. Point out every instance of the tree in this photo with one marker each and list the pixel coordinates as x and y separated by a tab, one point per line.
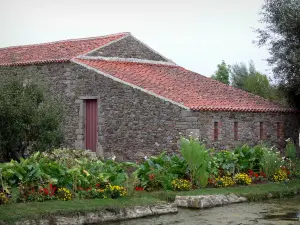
250	80
29	119
222	74
281	35
240	73
258	84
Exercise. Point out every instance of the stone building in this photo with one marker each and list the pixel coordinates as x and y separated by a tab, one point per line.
125	99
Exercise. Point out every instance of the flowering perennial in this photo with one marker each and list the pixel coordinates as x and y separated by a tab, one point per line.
225	181
64	194
3	198
181	185
280	176
242	178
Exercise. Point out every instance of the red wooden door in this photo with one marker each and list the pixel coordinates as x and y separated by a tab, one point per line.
91	118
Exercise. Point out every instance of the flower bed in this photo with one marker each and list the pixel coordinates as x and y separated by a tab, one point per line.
81	175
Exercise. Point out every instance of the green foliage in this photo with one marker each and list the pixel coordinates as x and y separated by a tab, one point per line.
258	84
270	162
30	120
197	157
222	74
290	150
239	73
250	80
280	34
158	172
31	174
67	156
225	160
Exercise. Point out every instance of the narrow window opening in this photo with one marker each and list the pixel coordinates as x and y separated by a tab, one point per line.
261	130
236	131
278	129
216	131
279	126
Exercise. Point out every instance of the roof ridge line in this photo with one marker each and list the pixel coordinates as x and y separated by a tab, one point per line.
129	84
72	39
131	60
168	60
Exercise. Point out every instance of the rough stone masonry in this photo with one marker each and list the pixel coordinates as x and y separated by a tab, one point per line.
133	124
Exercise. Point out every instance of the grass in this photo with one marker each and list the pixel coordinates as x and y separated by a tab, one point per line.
252	192
33	210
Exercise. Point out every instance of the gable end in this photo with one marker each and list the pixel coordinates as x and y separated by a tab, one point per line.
128	47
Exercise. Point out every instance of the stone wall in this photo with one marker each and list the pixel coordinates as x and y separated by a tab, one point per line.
128	47
201	124
133	124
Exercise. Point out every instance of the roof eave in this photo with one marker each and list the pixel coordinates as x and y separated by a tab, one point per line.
252	110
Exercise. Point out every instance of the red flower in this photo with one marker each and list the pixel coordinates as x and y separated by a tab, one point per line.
139	188
97	185
46	191
263	174
151	176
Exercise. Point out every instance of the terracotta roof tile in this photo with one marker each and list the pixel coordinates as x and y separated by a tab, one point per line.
183	86
59	51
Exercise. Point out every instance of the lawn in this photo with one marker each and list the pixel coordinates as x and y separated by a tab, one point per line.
252	192
16	211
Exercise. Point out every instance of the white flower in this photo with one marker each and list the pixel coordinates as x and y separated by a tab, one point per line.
113	158
145	157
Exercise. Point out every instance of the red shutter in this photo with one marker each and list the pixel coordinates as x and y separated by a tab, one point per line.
91	119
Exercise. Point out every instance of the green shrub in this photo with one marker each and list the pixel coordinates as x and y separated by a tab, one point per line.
270	161
226	160
159	171
30	119
69	156
290	150
248	157
198	159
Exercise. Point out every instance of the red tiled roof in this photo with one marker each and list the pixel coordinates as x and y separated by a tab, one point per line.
59	51
190	89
